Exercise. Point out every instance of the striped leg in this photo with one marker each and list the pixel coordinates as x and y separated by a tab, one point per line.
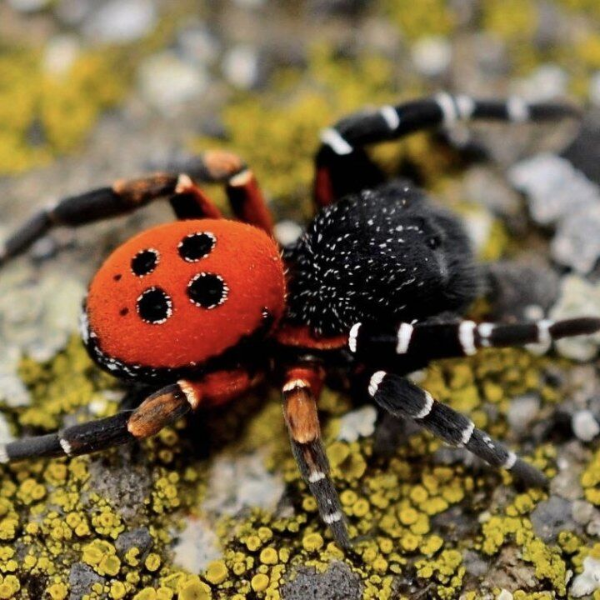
159	410
402	398
125	196
300	391
343	167
423	342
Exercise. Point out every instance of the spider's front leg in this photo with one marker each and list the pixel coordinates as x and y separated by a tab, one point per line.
401	398
300	392
125	196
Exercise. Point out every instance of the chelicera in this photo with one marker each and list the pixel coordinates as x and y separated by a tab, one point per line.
201	308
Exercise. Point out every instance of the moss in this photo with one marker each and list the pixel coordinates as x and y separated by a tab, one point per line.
427	18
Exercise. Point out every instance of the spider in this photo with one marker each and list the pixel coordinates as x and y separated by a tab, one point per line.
378	284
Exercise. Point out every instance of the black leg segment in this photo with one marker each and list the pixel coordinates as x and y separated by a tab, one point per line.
402	398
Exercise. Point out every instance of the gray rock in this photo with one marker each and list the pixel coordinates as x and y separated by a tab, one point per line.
337	583
595	89
122	478
197	545
584	425
577	297
28	6
432	55
166	81
475	564
552	516
583	512
589	581
357	423
237	482
522	412
554	189
577	240
242	67
136	538
521	290
198	45
121	21
81	579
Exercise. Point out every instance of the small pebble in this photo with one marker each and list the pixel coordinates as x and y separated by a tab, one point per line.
167	82
584	425
432	55
197	546
121	21
358	423
589	581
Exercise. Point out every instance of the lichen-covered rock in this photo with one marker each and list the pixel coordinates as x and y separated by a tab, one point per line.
336	583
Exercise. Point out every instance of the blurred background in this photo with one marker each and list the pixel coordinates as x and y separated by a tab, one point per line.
96	90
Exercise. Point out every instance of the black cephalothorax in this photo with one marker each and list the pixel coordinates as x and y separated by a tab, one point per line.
386	254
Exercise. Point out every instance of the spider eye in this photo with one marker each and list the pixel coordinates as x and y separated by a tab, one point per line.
154	306
434	242
207	290
144	262
196	246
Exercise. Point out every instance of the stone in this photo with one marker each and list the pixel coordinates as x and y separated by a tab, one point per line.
584	425
121	21
587	582
338	582
81	579
357	423
550	517
577	297
166	82
521	290
241	67
60	54
197	545
287	232
432	55
554	189
235	483
576	243
139	538
28	6
522	412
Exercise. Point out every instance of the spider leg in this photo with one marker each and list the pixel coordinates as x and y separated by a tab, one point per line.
402	398
125	196
159	410
300	391
423	342
342	165
243	192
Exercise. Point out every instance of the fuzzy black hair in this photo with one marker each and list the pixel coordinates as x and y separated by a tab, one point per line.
386	254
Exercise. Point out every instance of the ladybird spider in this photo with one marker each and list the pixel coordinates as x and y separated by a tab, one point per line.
378	283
